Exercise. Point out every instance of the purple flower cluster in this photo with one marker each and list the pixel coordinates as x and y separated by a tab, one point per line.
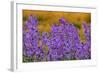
62	43
31	38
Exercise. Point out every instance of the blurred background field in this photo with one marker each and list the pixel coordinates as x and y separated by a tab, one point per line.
47	18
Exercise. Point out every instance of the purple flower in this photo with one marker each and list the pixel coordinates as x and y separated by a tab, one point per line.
86	31
33	20
29	52
63	21
62	43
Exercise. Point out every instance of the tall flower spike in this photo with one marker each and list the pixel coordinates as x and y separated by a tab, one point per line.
86	31
33	20
62	21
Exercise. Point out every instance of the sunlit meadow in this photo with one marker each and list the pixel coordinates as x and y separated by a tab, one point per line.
56	36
